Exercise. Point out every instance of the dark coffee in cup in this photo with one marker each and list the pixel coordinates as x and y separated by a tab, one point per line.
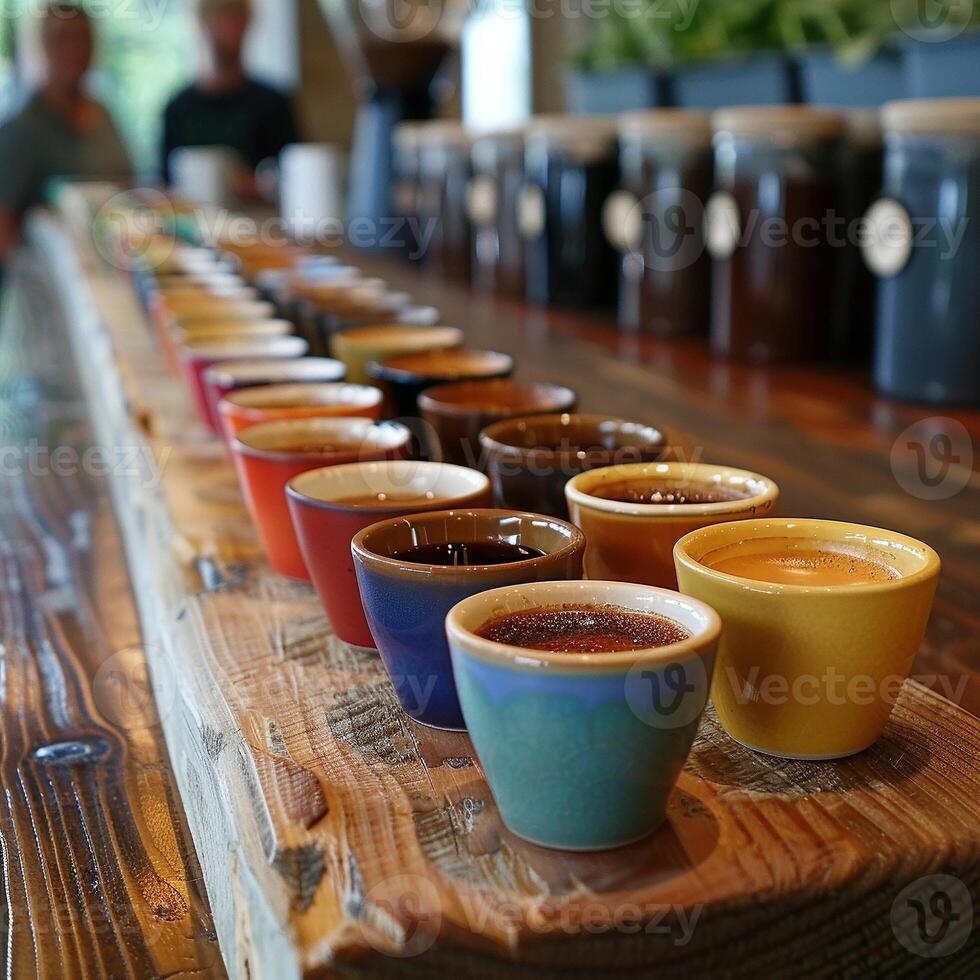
467	553
583	629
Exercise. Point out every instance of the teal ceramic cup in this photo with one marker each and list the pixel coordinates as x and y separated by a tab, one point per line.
582	751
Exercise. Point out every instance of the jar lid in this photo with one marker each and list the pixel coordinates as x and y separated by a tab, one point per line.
443	132
863	126
406	135
492	146
932	116
779	124
675	125
576	133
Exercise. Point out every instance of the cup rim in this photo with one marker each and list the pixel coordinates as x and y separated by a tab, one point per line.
575	494
481	485
931	560
575	543
374	333
434	399
246	349
698	645
389	370
491	438
241	447
242	400
224	373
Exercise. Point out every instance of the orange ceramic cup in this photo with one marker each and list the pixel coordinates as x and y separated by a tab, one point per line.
275	403
268	456
630	541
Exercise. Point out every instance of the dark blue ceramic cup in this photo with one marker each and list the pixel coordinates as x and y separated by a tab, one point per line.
408	584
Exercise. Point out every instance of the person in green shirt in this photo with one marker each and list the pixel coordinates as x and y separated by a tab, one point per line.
59	131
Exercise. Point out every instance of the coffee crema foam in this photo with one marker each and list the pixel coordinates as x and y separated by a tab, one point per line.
801	561
653	491
576	628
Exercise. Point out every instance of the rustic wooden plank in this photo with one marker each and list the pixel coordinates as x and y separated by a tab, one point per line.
337	836
99	877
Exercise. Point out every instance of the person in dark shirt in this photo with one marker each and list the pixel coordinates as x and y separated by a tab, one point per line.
223	106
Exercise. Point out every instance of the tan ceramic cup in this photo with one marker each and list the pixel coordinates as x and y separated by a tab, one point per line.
630	542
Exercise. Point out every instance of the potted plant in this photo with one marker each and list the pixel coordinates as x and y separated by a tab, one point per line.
730	54
845	51
614	71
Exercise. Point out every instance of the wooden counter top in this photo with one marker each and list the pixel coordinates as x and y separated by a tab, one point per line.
338	838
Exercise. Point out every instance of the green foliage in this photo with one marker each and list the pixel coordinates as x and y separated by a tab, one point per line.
662	34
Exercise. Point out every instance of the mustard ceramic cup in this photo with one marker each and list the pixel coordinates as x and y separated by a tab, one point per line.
631	540
809	671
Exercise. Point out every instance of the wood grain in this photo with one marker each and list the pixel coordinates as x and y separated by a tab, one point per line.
337	837
99	878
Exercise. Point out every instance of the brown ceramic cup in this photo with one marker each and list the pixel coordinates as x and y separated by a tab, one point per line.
530	459
457	413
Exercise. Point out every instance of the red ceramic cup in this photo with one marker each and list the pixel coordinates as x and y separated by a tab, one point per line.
329	506
228	376
268	456
275	403
196	357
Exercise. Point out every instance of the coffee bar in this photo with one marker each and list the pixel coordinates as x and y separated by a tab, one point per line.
565	559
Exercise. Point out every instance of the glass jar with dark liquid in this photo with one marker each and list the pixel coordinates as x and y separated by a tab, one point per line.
656	222
498	249
864	156
571	167
444	177
405	190
927	335
775	232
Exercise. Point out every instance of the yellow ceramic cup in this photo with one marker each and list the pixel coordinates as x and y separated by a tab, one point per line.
628	542
807	671
359	346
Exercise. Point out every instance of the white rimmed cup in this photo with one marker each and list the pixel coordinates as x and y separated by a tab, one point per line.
633	542
273	403
330	505
582	750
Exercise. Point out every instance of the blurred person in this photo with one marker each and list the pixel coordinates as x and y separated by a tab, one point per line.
224	106
59	131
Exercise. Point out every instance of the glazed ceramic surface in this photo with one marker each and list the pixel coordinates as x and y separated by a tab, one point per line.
630	542
811	672
266	460
582	750
406	602
529	460
325	521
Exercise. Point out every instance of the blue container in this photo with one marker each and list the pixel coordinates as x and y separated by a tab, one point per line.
406	601
943	69
825	81
582	751
758	80
606	93
927	340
